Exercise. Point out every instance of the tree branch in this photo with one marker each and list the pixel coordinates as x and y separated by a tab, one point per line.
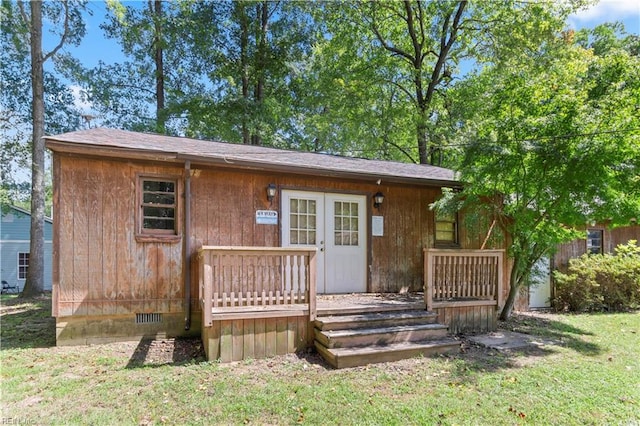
65	34
389	47
446	43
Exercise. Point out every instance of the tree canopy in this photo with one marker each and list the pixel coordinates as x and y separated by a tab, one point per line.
556	142
539	119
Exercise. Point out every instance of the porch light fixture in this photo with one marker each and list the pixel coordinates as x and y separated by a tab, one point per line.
378	198
271	191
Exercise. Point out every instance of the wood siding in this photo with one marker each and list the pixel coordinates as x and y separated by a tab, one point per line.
611	239
99	267
255	338
468	319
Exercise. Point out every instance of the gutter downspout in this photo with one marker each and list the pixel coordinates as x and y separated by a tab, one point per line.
187	243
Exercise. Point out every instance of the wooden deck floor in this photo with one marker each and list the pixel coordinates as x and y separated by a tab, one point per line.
331	304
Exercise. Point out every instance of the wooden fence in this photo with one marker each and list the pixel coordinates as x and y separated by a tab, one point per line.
465	287
256	281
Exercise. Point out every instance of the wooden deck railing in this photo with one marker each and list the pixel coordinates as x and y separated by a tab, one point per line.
459	277
256	279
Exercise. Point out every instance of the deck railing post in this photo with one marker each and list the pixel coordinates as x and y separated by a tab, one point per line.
312	285
500	279
428	280
208	295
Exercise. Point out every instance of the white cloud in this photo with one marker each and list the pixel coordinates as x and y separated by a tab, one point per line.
79	100
609	11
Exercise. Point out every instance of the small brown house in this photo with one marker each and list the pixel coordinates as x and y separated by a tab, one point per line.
598	239
157	235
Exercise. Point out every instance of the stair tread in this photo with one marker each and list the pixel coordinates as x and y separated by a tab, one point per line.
367	308
354	356
379	330
406	314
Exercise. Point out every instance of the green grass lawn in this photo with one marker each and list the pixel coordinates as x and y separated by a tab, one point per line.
589	374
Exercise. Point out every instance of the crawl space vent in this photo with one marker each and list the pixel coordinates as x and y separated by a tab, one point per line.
153	318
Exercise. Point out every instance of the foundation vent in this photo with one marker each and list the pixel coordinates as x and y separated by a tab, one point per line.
153	318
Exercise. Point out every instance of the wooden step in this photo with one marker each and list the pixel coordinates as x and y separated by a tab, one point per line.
353	357
380	335
380	319
368	308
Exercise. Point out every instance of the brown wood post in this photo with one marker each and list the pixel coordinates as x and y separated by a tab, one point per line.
428	280
312	286
208	296
500	256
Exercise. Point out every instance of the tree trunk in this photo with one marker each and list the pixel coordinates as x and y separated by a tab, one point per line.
161	117
244	70
35	274
262	13
421	130
515	282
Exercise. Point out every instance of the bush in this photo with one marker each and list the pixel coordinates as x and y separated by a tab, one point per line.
600	282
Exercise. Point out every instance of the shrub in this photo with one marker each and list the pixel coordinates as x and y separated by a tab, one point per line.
600	282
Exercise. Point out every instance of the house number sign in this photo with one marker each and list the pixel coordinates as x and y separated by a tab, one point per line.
266	217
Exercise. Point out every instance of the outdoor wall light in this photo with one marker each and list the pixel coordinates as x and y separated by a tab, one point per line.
378	198
271	191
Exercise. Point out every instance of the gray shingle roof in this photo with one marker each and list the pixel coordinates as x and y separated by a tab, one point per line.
246	156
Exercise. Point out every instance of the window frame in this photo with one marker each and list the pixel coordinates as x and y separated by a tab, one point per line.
158	235
454	222
22	267
590	247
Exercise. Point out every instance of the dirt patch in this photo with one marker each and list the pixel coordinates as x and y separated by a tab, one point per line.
167	351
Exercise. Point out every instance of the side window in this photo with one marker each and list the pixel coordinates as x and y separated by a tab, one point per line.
594	241
23	265
158	206
446	228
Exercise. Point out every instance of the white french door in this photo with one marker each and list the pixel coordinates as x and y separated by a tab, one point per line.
336	225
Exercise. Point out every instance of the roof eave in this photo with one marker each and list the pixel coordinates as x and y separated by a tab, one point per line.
231	162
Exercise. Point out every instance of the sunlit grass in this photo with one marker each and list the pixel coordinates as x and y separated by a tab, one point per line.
590	375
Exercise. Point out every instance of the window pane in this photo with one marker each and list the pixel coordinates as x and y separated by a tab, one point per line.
159	212
159	186
158	223
346	223
594	241
302	221
23	265
446	227
158	198
158	205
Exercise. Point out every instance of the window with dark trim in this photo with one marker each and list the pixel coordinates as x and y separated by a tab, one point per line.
158	206
23	265
594	241
446	227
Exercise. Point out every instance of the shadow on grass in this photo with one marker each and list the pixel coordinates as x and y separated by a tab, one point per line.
27	323
152	352
549	334
556	331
